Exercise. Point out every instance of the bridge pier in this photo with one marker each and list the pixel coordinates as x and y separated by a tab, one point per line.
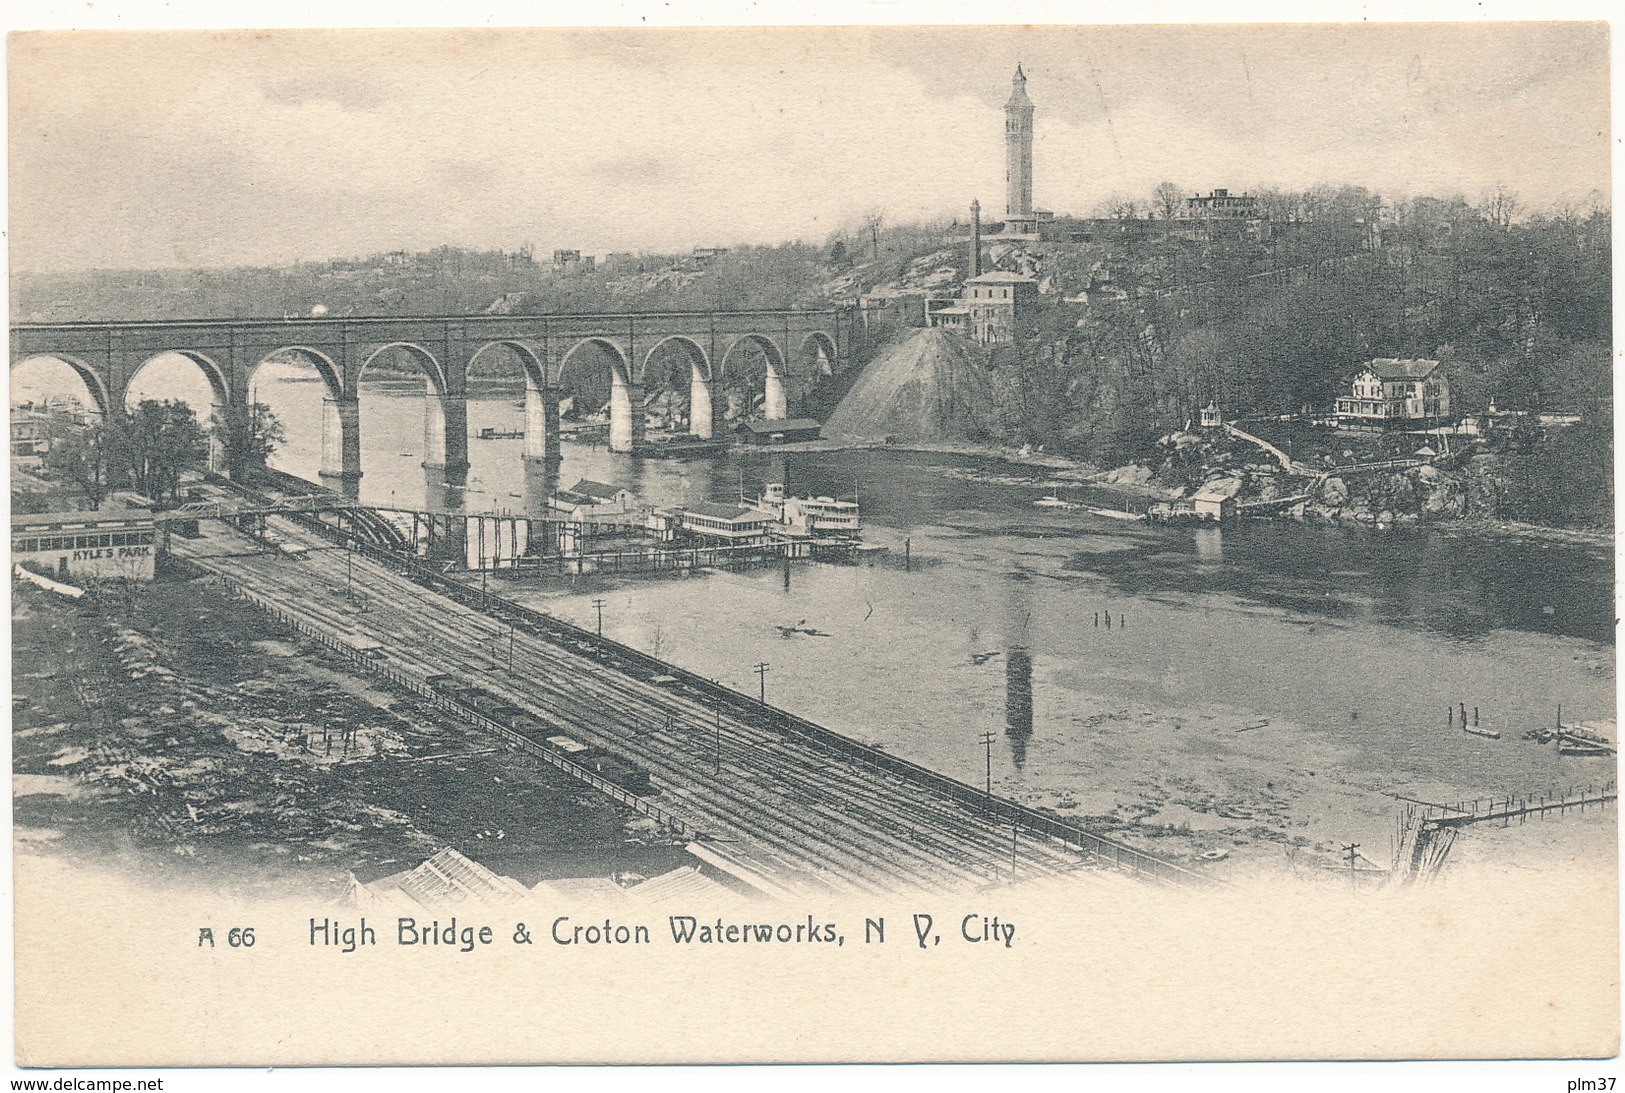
445	436
775	404
341	445
541	423
625	414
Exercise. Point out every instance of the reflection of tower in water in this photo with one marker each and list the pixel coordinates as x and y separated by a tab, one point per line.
1018	668
1018	702
541	482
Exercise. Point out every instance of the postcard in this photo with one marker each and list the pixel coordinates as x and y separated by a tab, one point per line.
824	545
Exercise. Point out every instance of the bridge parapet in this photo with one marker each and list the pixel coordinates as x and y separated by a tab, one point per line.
108	355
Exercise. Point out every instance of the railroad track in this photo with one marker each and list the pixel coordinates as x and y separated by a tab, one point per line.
802	815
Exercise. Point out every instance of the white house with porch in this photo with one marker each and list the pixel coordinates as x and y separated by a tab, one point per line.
1387	391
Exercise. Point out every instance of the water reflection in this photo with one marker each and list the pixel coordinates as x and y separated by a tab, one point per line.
1018	703
541	481
1018	667
955	508
1462	586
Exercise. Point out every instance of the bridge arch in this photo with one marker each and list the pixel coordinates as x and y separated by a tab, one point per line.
541	431
819	343
775	403
427	361
332	375
207	417
280	379
535	368
696	354
618	363
697	382
218	384
93	381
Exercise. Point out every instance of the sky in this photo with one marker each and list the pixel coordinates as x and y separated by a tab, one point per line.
178	149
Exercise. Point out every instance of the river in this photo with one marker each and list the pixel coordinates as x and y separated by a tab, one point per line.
1298	673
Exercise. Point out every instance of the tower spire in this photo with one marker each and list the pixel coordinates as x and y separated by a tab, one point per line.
1018	149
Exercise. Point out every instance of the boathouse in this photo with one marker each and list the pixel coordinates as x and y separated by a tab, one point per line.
732	524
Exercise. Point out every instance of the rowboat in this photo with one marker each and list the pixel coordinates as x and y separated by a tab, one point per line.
1483	730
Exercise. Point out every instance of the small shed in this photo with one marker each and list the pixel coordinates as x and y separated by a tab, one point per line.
1214	503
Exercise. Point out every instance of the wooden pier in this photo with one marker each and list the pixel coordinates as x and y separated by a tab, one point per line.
1520	808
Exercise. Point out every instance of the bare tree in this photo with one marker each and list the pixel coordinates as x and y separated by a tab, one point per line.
1500	207
873	221
1168	199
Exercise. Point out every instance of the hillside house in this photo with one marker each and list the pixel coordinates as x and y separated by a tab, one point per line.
988	307
1387	391
1222	205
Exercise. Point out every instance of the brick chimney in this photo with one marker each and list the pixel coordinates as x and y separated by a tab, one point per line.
975	238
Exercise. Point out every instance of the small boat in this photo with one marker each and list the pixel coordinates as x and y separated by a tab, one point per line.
1576	734
492	433
1570	747
1050	501
1483	730
1116	514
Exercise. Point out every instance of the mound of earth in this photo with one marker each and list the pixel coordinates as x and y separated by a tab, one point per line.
931	387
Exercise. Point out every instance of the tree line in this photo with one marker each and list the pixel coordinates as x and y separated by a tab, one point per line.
1517	311
154	446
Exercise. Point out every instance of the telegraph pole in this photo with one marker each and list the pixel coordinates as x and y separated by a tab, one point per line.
716	705
599	604
987	742
761	680
1349	852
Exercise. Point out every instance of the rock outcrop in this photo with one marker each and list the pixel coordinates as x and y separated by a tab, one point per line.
930	387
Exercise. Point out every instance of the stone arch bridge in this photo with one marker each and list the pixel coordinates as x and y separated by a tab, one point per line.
107	356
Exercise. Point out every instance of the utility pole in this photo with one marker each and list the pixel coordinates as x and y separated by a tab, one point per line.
987	742
1014	829
599	604
716	704
1349	852
761	680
